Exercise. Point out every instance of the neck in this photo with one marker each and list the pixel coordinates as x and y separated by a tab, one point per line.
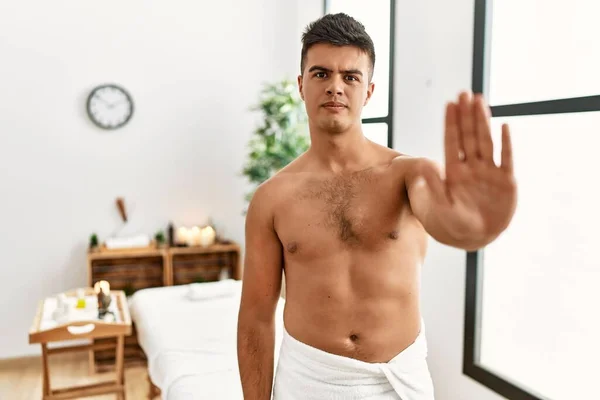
340	152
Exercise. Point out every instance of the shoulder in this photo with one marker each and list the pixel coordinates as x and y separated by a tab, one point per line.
396	160
411	167
264	195
402	163
276	189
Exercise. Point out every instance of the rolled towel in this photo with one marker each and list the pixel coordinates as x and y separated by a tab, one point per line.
304	372
212	290
128	242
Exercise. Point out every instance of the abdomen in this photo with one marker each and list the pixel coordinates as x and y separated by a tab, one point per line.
358	304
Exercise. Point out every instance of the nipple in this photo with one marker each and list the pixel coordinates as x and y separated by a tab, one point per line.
292	247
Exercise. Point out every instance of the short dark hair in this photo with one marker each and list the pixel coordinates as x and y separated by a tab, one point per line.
339	30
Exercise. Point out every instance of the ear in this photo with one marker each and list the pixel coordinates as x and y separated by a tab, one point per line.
370	89
300	87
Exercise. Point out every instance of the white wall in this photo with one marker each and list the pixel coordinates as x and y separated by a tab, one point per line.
193	69
433	63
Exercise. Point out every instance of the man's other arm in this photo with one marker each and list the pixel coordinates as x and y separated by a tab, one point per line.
261	288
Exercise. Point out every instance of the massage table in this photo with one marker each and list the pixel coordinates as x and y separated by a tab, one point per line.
189	336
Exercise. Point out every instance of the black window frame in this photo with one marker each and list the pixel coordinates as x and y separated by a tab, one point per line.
389	118
474	276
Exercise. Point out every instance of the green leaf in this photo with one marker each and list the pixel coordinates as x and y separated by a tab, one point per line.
281	137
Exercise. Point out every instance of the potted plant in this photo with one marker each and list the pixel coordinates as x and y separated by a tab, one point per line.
281	137
160	239
94	242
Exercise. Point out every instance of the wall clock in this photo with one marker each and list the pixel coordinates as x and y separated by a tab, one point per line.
109	106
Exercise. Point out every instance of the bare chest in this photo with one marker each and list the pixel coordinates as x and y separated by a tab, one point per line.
363	211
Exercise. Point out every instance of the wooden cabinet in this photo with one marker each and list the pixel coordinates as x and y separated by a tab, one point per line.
134	269
191	264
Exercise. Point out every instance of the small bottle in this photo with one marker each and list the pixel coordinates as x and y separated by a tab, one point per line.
170	233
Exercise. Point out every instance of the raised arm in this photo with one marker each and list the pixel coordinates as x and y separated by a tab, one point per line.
423	205
470	201
261	288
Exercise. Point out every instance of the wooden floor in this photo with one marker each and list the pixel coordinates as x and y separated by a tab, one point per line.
21	379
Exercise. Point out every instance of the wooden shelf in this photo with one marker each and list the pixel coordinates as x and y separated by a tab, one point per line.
216	248
104	253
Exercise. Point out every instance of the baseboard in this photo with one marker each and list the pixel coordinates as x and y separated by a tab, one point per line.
36	349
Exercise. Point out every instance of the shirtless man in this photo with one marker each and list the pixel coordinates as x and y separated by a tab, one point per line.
348	221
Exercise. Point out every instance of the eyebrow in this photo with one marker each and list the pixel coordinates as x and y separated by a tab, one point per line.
348	71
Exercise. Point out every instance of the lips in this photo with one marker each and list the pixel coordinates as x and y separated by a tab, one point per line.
334	104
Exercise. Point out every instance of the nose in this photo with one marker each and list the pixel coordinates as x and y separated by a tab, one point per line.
335	87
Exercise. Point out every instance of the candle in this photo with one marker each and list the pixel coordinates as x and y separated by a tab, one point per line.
182	235
102	286
80	298
207	236
194	236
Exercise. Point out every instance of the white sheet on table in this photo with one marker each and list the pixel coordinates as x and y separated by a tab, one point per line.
191	342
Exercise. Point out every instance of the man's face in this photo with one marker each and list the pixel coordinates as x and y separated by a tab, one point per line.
335	86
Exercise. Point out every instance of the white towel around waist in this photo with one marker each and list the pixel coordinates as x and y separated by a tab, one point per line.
307	373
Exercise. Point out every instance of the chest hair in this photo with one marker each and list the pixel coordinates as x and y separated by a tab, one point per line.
338	196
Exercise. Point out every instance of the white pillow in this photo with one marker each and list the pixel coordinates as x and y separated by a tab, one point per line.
212	290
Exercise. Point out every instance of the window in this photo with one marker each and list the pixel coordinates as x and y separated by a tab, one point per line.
532	322
378	19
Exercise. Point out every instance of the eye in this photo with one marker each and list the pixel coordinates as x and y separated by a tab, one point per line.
320	74
351	78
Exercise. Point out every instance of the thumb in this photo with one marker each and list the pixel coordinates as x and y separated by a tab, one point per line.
431	175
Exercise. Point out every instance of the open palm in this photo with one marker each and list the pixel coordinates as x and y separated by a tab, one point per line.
476	197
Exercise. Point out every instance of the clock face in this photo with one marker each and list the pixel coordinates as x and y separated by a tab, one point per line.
109	106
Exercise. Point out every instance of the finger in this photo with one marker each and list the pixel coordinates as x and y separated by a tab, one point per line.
507	153
436	184
466	121
484	135
452	145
